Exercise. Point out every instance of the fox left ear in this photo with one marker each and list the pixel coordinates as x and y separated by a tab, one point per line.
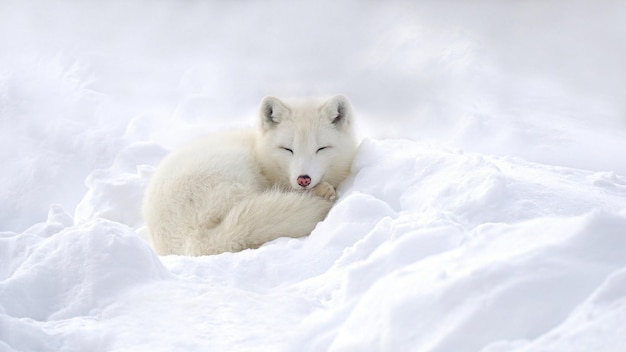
338	110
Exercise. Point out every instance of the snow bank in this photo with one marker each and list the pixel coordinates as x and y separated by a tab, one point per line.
452	250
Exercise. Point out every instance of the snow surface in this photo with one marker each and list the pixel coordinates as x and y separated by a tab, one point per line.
486	210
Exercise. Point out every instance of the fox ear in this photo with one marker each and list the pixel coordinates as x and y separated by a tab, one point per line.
338	110
272	111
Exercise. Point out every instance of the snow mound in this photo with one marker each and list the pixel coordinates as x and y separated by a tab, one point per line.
428	248
77	270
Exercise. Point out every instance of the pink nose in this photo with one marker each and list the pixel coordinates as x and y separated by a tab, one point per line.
304	180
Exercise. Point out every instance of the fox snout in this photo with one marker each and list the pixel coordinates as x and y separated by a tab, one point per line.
304	181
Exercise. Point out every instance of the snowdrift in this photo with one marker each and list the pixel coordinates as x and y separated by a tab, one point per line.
427	249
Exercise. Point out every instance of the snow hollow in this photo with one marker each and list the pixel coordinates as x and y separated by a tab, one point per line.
486	210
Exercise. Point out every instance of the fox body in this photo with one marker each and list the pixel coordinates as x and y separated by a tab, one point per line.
237	190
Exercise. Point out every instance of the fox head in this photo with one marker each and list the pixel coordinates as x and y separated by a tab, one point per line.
303	143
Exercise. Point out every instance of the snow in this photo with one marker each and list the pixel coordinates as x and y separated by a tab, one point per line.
486	210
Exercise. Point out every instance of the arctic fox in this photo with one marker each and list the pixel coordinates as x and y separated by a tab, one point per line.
238	190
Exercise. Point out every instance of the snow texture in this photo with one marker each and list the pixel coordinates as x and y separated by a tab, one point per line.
486	210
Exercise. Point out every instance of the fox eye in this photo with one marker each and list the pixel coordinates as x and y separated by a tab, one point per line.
322	148
287	149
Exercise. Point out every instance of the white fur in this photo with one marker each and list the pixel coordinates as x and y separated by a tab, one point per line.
238	190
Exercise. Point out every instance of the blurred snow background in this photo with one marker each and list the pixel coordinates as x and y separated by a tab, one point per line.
541	80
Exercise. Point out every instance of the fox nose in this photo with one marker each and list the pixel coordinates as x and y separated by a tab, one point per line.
304	180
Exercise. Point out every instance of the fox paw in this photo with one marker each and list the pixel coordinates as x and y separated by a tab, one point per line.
326	191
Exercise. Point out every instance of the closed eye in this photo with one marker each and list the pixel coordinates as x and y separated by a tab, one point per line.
322	148
287	149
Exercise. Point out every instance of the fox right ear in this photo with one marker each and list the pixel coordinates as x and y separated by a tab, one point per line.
272	112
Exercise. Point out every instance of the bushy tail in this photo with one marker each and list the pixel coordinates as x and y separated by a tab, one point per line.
260	219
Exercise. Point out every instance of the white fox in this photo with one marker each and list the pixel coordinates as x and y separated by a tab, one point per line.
238	190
